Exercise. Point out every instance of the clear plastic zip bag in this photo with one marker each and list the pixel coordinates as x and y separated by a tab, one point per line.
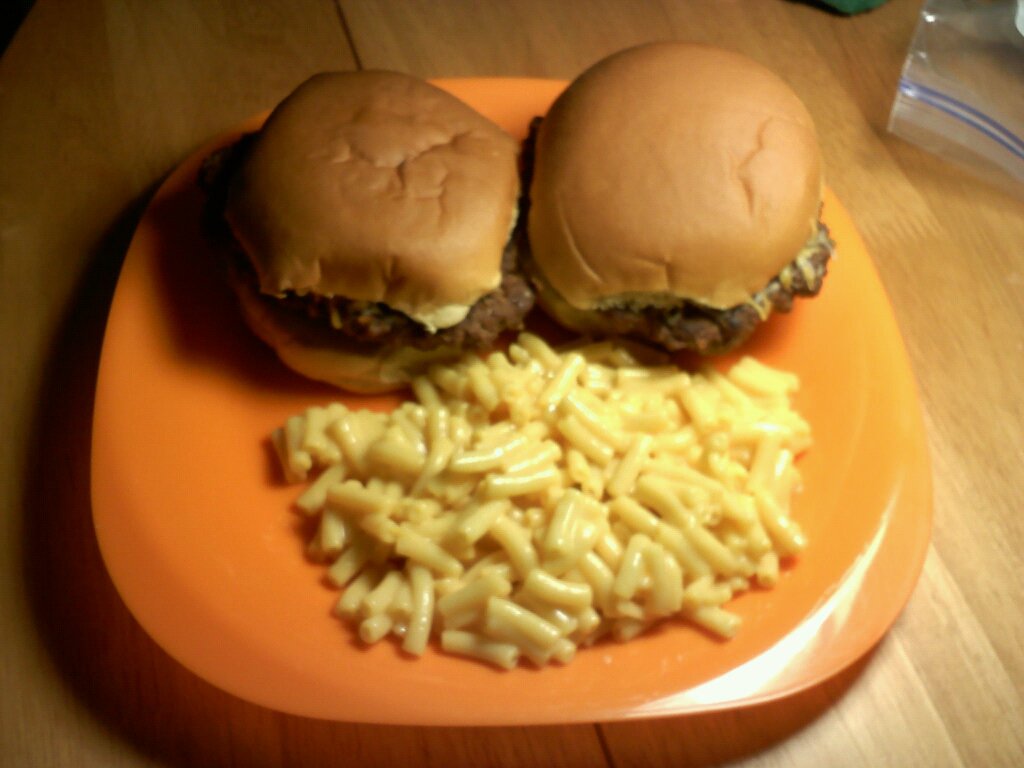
961	93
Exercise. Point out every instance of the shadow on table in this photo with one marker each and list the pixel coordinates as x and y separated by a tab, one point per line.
12	14
143	697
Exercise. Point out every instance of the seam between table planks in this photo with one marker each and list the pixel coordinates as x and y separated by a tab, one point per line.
347	30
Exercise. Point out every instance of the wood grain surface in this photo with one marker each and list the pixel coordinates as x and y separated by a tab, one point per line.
99	99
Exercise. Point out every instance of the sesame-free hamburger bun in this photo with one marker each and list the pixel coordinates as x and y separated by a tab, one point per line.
675	197
371	218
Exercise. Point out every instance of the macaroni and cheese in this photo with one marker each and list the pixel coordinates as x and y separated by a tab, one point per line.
529	503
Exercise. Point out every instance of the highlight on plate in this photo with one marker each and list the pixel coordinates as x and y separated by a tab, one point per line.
531	502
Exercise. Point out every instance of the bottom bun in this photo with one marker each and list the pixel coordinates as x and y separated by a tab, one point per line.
322	355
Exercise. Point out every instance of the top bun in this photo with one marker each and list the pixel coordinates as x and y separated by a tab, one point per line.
377	186
672	171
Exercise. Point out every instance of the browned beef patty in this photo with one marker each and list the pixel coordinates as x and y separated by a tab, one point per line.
367	322
494	313
688	325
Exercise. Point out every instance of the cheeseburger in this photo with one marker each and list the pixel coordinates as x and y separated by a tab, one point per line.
371	223
675	198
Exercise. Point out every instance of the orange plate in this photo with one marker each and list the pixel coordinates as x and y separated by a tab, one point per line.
197	532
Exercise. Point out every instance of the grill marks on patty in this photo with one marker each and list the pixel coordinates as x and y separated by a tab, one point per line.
367	322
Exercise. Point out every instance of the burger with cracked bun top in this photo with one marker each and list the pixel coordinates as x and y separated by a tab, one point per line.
371	225
675	198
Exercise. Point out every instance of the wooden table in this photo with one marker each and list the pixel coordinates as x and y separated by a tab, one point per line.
100	99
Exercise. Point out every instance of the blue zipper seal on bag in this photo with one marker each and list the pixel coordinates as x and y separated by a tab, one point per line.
965	113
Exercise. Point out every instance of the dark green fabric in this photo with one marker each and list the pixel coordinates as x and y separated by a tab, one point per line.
852	6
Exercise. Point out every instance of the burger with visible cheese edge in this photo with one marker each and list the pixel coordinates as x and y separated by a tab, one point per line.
675	198
371	226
